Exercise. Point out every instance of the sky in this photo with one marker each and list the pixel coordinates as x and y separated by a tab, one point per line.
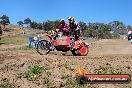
103	11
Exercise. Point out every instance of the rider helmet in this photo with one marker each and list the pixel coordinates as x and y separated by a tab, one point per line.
71	19
61	20
57	30
51	32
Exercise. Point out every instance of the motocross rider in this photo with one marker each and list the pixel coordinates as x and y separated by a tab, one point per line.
53	37
76	32
63	27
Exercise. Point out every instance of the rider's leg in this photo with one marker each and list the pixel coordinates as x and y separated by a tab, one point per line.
51	44
73	40
77	34
75	37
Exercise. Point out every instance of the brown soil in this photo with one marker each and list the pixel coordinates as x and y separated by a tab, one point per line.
116	53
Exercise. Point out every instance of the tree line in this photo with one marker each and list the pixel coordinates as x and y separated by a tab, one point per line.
97	29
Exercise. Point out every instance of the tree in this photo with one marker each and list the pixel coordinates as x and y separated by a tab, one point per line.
27	21
129	27
40	26
20	23
104	32
34	25
83	25
4	20
50	25
118	27
98	30
56	24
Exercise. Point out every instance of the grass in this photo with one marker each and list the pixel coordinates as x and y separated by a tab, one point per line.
101	70
115	71
107	70
20	48
67	66
16	40
37	74
65	76
33	73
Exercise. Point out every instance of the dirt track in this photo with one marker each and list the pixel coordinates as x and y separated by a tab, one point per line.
115	53
109	46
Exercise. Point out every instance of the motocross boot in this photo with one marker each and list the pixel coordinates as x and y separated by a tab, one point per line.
52	48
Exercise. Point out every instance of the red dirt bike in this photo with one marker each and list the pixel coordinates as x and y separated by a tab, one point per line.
64	44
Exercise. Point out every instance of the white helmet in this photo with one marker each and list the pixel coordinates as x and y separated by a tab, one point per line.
61	20
129	32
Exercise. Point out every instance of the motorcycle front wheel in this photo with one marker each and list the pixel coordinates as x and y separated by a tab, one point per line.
42	47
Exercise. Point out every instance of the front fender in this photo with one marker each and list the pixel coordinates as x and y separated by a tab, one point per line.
79	43
36	43
86	43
